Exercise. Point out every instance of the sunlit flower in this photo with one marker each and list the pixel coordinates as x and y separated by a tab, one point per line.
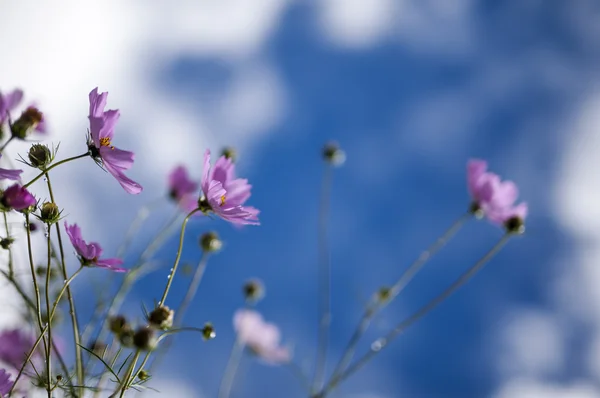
5	383
182	189
261	337
16	197
6	174
15	345
494	197
224	194
89	254
102	125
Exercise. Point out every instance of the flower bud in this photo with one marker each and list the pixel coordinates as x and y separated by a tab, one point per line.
145	339
143	375
117	324
161	317
333	155
208	331
476	210
28	121
515	225
210	242
126	336
253	290
98	348
384	294
230	153
40	156
49	213
6	242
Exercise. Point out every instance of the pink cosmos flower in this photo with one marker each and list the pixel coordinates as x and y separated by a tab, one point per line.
5	383
18	198
89	254
224	194
182	189
102	125
496	198
6	174
15	345
260	336
9	102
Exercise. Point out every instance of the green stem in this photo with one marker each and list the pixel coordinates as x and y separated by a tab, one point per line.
31	305
180	314
379	344
125	381
177	258
43	173
11	271
49	320
6	143
375	306
72	311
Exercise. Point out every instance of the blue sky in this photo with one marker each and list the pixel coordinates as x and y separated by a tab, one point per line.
411	90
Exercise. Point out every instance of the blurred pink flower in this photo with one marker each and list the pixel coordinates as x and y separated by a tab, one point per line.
496	198
261	337
182	189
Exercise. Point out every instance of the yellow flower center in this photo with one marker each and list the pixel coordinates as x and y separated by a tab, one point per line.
222	201
106	142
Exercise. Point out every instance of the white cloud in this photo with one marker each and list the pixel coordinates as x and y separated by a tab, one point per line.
531	343
423	25
357	23
529	388
172	388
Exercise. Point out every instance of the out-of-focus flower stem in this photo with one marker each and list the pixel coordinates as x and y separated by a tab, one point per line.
376	305
382	342
324	279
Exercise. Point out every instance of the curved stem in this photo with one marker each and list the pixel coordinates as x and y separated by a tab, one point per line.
382	342
43	173
6	143
375	306
177	258
180	314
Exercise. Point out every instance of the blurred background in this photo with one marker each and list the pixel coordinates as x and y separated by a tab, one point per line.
411	89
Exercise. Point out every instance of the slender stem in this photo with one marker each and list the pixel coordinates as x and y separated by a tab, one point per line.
177	258
376	306
72	311
11	271
130	279
382	342
231	369
125	381
324	280
135	225
36	288
49	320
29	355
31	305
43	173
180	314
6	143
